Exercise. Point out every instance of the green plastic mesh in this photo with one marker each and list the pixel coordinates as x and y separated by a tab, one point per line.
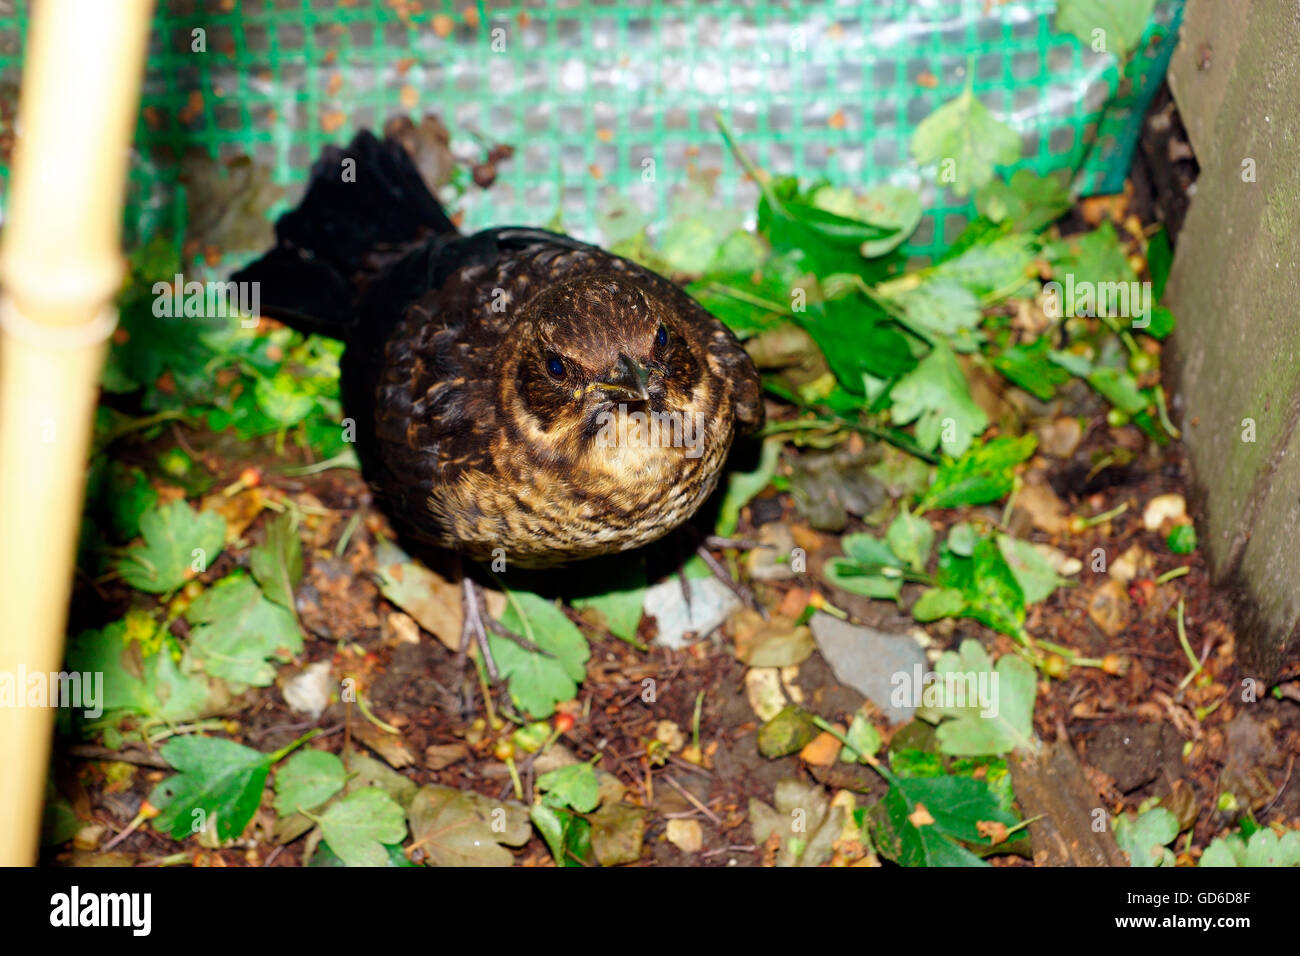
588	92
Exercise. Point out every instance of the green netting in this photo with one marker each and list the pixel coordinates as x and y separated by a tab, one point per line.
589	92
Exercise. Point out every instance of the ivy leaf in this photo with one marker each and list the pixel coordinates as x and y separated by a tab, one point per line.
964	132
307	779
937	396
358	826
174	538
218	787
537	682
983	475
1117	25
237	629
277	562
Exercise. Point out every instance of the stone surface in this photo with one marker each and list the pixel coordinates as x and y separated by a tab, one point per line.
867	660
1236	351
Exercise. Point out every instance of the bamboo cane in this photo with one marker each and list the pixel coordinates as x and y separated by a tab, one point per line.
60	265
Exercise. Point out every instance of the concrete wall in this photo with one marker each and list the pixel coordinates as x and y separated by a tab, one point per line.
1235	289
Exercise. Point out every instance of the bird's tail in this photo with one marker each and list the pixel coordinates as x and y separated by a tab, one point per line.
364	205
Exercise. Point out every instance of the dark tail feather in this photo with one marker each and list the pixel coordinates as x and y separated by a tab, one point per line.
353	215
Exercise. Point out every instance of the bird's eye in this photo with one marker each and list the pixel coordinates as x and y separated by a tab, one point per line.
661	337
555	367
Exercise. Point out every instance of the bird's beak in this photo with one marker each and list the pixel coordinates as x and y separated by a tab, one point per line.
626	383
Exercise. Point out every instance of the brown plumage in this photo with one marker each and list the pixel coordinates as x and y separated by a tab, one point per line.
516	393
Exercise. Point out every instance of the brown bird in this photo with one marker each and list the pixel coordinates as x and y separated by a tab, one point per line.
517	394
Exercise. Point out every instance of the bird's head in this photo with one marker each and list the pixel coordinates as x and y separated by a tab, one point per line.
596	352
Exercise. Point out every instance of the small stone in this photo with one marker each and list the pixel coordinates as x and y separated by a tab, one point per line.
867	660
1109	608
1162	508
308	692
1060	438
686	835
763	691
441	756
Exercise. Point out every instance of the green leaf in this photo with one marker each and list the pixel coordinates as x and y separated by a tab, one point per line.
236	629
1182	540
966	134
924	821
1035	575
1144	839
857	337
935	603
983	475
1162	323
863	739
992	267
995	598
972	726
941	307
962	539
218	787
744	486
621	604
937	396
896	207
850	576
307	779
283	399
175	540
911	537
537	683
357	826
1029	201
574	786
125	495
277	562
1095	257
154	688
1030	367
1120	388
1105	26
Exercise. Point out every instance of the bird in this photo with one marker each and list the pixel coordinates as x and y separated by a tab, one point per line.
517	395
